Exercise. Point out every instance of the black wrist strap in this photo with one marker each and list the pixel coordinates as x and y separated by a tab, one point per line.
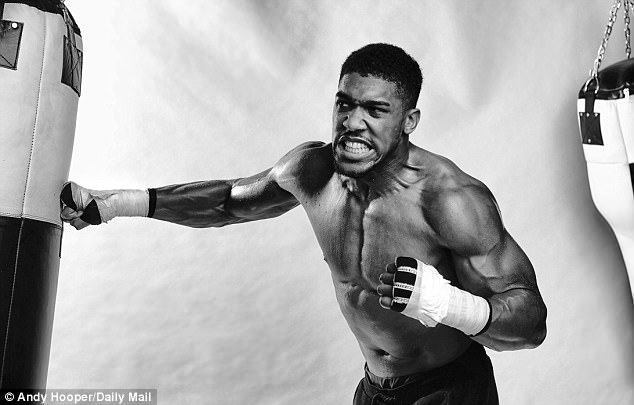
486	326
152	207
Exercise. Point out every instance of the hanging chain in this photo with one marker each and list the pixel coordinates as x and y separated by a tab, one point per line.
606	36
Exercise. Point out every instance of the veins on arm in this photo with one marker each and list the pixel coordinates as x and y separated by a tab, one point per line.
489	263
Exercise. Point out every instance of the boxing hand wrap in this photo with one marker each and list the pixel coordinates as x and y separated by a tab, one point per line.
420	292
102	206
121	203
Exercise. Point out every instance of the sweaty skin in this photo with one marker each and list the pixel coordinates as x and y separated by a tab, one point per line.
371	196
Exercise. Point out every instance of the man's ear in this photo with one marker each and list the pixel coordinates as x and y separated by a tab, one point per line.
411	120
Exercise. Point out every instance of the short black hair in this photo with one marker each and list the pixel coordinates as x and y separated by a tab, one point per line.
390	63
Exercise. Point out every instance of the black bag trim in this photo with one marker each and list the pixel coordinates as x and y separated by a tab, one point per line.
48	6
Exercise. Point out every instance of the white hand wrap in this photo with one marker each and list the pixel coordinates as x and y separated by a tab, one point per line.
420	292
121	203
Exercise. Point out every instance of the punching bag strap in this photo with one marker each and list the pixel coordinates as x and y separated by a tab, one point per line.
588	118
73	56
68	18
627	7
69	24
590	121
1	9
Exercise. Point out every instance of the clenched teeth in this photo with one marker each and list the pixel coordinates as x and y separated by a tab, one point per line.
355	147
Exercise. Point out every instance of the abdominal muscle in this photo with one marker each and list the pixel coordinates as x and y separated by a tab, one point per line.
393	344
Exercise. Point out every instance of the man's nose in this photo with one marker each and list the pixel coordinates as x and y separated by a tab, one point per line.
354	120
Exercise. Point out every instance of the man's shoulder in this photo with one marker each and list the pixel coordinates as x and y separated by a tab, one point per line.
308	164
460	207
306	158
445	181
308	148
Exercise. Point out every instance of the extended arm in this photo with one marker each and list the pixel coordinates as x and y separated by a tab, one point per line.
201	204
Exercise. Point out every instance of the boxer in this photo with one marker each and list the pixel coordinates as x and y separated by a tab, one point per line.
425	272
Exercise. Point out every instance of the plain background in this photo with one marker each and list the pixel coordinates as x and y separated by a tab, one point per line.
178	91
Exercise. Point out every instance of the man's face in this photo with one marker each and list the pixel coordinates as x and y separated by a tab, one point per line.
367	123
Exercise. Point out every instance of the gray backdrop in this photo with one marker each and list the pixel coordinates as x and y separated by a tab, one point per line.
177	91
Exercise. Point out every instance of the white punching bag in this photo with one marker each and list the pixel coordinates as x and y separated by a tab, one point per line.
606	120
40	80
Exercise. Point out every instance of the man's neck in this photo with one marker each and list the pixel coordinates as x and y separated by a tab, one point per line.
392	176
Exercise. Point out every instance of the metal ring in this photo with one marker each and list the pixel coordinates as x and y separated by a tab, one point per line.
585	87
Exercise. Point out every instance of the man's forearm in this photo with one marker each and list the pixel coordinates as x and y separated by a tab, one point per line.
518	321
199	205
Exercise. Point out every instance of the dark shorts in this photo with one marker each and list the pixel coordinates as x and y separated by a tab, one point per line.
466	380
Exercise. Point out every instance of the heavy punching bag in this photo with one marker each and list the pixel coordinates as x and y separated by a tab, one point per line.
606	120
40	83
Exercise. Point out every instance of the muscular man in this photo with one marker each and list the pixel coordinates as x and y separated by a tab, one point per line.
424	271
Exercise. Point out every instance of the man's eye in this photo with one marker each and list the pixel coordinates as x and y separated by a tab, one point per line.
342	104
375	112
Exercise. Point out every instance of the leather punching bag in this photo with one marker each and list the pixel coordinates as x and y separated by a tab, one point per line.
605	106
40	83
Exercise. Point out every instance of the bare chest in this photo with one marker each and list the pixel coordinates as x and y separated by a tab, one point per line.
360	234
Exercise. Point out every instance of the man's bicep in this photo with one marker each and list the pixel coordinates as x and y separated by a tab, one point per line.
272	192
487	259
502	268
259	197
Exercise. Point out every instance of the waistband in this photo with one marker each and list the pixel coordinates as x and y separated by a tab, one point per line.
474	354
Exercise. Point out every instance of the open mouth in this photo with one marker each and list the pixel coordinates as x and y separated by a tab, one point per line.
355	148
354	156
